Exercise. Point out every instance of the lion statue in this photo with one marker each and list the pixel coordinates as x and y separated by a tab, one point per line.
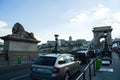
19	31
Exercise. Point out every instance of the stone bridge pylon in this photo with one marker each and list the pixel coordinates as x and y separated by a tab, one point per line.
100	32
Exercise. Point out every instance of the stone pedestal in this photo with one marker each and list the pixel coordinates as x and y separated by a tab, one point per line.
15	46
20	44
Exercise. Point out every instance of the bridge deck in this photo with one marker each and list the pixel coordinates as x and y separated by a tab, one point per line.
111	72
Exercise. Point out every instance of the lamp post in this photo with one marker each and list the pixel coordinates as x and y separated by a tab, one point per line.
56	43
106	44
106	51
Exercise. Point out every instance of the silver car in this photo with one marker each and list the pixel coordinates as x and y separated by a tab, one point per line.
54	67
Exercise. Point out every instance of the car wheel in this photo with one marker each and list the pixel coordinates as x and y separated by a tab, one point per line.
67	76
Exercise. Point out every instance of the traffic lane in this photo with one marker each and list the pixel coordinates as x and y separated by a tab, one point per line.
23	74
10	73
14	74
27	77
73	77
76	75
15	68
22	77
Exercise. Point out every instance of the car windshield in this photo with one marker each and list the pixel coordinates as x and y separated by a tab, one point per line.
47	61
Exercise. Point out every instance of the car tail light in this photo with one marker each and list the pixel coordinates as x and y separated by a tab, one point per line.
56	70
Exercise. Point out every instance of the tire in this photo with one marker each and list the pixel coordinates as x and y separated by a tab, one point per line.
67	76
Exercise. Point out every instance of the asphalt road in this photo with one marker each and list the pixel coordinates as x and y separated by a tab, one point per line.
22	72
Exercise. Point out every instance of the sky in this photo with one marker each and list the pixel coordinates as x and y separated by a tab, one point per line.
45	18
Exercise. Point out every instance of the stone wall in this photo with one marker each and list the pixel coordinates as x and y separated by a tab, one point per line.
27	49
22	46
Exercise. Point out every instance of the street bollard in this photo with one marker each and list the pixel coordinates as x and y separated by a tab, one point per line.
19	59
98	64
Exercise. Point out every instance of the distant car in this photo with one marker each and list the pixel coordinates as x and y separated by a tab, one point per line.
92	53
83	56
98	52
106	56
118	52
106	61
54	67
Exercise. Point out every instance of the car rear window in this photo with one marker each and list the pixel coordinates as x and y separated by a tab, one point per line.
47	61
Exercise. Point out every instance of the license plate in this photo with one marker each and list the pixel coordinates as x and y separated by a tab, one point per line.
43	70
105	62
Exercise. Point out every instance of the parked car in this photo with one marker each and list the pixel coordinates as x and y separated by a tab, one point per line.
54	67
83	56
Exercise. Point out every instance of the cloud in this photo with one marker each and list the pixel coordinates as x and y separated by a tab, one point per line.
101	11
108	18
100	16
3	30
38	38
2	24
114	21
79	18
116	24
116	17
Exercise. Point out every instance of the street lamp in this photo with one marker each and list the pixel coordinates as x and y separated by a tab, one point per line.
56	43
105	36
106	51
106	47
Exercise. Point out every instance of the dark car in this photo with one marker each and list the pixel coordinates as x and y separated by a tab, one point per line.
106	61
98	52
54	67
92	53
83	56
106	56
118	52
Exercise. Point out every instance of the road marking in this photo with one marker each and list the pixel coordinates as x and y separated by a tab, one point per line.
19	77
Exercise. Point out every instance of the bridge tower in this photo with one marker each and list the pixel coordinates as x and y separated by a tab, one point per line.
100	32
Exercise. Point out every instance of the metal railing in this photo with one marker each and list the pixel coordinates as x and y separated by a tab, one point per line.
89	71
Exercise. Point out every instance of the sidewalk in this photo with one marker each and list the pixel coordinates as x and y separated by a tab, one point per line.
111	72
